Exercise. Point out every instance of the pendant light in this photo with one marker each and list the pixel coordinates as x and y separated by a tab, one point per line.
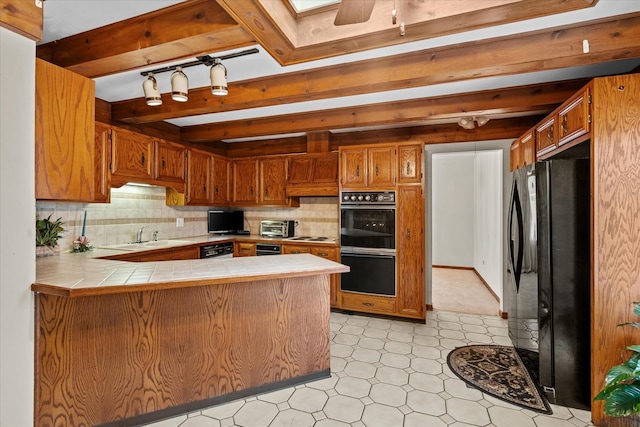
218	78
151	92
179	86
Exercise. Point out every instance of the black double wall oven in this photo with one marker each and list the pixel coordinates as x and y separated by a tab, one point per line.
368	242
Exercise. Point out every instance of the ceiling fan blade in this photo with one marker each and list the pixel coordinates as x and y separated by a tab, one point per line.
354	11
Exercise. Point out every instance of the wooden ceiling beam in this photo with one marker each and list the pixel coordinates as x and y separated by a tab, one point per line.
439	134
293	39
525	100
610	39
185	30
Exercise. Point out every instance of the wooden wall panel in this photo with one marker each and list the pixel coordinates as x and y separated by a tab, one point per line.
110	357
616	224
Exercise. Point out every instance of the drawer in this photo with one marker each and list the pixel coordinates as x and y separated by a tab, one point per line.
328	253
368	303
296	249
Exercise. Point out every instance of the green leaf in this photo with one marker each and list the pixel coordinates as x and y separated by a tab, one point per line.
623	401
636	310
635	348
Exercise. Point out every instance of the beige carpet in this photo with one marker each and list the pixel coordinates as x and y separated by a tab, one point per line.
461	291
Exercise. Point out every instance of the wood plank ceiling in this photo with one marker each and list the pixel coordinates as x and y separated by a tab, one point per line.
198	27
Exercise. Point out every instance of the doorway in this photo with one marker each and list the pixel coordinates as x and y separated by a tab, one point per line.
467	194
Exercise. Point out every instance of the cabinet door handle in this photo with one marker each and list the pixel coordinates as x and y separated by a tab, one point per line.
295	252
368	304
163	163
216	189
377	170
564	125
408	234
358	170
251	191
550	134
408	168
323	254
266	191
204	188
142	159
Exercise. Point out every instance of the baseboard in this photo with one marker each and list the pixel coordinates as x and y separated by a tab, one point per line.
486	285
453	267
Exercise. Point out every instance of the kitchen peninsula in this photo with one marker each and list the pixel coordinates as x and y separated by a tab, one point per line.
124	343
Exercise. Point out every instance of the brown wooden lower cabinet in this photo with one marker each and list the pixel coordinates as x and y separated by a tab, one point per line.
244	249
131	358
330	253
367	303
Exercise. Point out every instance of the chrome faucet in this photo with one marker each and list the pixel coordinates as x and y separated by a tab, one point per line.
139	235
155	236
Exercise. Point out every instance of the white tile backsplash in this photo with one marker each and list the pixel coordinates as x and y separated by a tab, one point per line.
134	206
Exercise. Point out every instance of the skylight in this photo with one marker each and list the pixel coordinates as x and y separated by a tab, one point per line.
303	5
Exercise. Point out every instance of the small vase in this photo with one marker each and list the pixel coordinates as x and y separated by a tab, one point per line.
42	251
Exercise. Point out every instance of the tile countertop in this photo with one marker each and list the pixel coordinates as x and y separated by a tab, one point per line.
84	274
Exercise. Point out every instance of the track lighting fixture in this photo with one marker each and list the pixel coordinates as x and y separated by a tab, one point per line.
179	86
180	82
151	92
470	122
218	78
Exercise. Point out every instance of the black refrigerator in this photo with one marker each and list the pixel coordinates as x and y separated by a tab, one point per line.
549	270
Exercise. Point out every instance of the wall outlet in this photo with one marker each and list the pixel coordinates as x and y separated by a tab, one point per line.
179	222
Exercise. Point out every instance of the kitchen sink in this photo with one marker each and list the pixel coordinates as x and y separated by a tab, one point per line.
161	243
146	245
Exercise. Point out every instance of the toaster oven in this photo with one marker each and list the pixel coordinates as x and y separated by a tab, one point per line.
277	228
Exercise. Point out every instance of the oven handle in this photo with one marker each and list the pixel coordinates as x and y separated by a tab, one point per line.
349	207
353	250
368	256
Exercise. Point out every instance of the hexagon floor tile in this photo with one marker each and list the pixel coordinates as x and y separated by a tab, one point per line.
388	373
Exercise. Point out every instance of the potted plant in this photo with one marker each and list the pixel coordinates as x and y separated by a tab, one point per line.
47	235
621	392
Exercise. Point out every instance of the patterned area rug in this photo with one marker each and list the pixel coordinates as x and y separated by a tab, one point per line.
498	371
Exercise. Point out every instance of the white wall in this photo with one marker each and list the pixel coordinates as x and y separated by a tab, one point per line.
17	228
487	241
453	209
501	145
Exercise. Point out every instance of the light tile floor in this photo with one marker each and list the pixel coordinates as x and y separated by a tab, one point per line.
388	373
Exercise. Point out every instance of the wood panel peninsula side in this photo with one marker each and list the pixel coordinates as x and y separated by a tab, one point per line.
121	343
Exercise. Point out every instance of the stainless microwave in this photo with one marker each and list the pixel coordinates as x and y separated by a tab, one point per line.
277	228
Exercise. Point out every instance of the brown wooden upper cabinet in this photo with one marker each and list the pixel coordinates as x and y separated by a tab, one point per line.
313	175
546	136
170	162
102	161
220	181
131	157
410	158
245	182
64	135
260	181
381	166
273	178
574	118
199	178
523	151
381	163
207	181
353	167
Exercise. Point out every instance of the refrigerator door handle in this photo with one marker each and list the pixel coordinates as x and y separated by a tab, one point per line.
516	263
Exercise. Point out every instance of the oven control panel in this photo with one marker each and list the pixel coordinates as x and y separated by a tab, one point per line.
368	197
